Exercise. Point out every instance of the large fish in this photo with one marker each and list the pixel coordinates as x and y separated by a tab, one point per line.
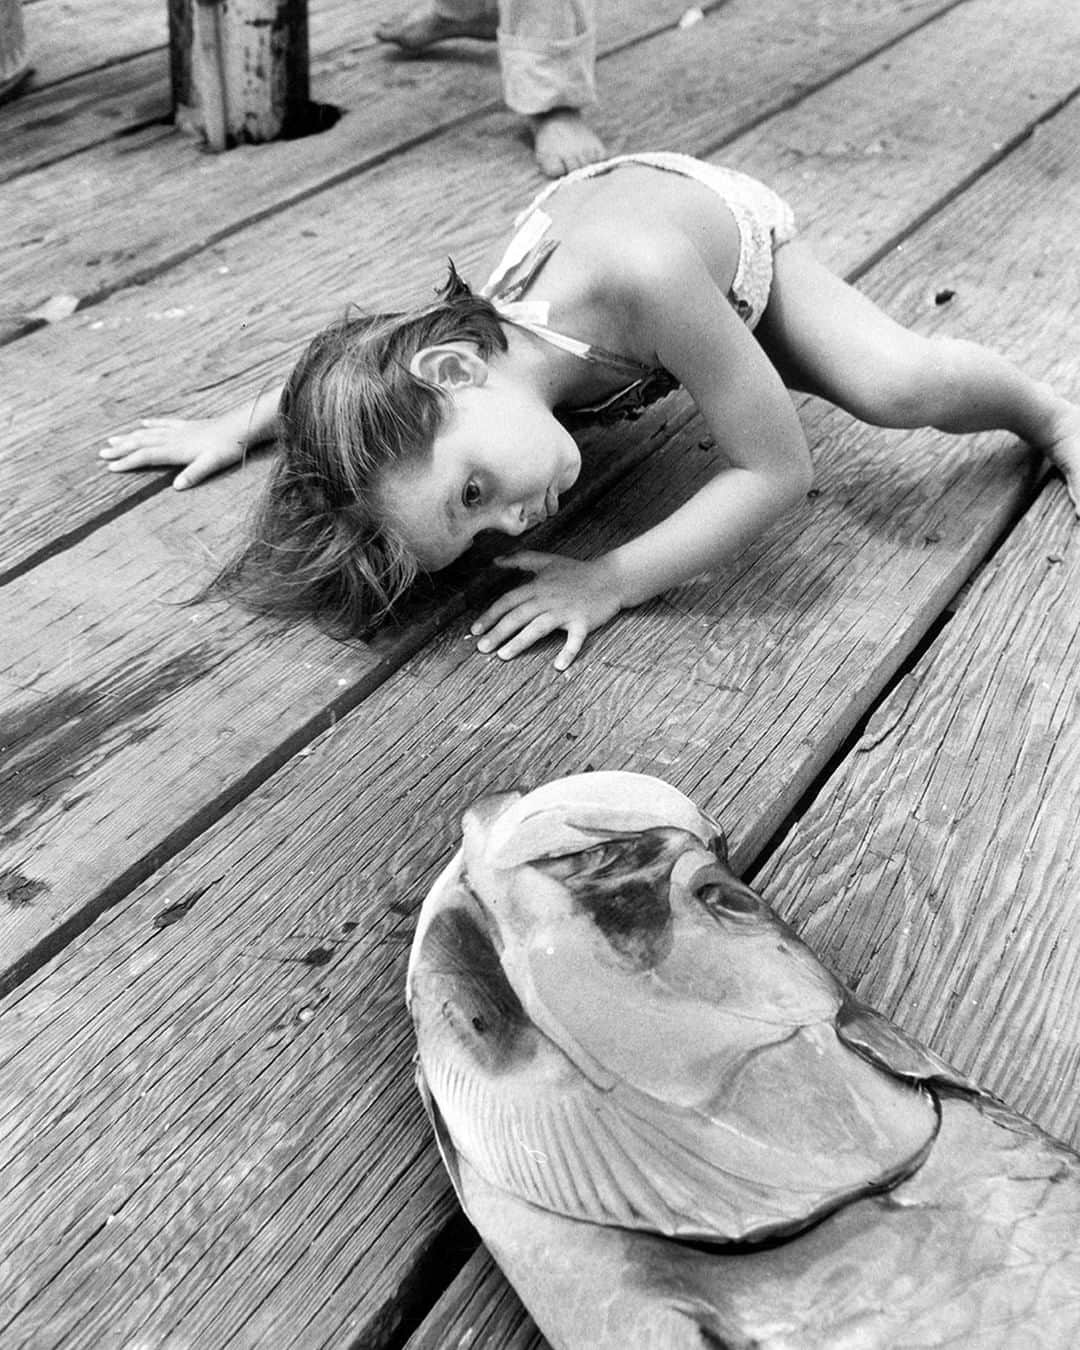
673	1127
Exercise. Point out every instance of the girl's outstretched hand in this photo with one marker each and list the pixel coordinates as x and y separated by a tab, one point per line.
204	445
563	593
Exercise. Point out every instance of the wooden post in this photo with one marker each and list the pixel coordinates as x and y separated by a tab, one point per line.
239	68
14	65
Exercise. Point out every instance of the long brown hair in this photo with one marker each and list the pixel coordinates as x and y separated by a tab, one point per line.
320	543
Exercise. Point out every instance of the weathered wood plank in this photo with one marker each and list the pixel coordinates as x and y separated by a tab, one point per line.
68	37
479	1309
155	197
275	1000
108	95
56	122
940	865
78	654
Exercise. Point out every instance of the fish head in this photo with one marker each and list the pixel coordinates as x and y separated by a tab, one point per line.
636	840
590	981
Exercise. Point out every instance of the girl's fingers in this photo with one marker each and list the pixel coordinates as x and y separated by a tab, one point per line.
576	633
527	560
539	628
202	466
133	443
116	446
144	458
509	624
504	605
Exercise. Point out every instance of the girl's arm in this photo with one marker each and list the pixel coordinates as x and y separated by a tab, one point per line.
737	389
205	445
696	335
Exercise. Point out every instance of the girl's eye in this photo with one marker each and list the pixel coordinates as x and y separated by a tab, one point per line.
471	494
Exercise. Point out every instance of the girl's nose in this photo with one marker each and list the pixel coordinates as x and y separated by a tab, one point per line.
514	519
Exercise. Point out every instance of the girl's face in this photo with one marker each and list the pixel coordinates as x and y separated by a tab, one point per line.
500	462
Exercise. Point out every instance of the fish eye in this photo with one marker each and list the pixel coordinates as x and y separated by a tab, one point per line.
471	496
716	890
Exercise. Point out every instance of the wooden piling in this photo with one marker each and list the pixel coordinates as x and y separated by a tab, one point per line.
14	63
239	68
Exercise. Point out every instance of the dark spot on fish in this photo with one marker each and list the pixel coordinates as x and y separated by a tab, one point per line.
944	295
18	891
349	926
172	913
477	994
624	886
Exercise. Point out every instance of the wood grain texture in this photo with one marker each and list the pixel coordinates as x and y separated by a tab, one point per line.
479	1309
231	1086
121	85
70	37
939	867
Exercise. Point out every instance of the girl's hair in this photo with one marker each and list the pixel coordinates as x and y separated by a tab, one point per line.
320	544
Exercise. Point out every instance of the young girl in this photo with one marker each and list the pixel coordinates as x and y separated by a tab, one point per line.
406	436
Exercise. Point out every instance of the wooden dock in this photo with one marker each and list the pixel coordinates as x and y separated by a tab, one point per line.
216	833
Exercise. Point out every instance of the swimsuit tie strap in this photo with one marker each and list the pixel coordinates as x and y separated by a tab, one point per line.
518	268
525	255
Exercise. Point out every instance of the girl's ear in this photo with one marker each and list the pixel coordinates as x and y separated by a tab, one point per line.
450	366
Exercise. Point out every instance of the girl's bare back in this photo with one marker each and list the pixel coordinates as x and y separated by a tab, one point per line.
599	221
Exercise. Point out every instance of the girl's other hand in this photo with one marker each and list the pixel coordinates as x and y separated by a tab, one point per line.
563	593
202	444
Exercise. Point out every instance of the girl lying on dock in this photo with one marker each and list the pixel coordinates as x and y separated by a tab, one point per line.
405	436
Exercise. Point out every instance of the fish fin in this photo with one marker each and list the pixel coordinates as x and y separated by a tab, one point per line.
543	1132
889	1047
445	1143
559	1145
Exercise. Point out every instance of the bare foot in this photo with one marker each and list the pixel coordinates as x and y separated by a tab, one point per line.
422	26
1062	448
562	141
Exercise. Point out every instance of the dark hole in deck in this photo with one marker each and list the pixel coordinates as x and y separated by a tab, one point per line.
309	120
